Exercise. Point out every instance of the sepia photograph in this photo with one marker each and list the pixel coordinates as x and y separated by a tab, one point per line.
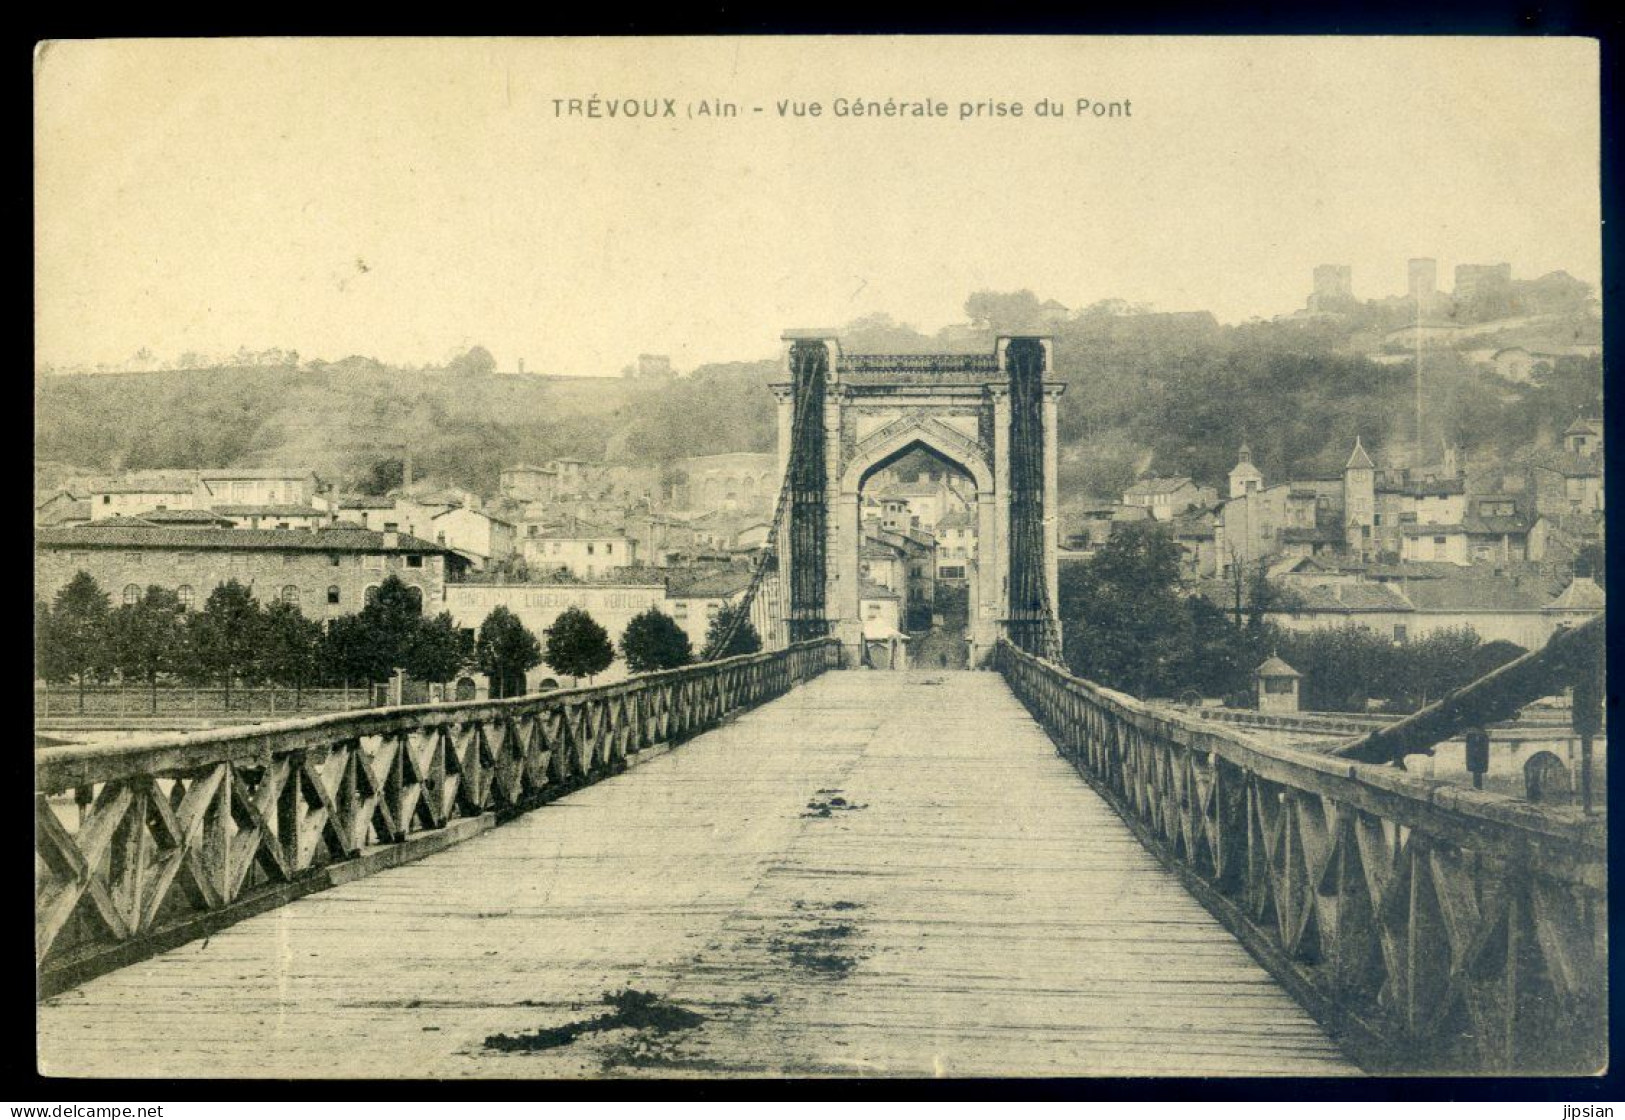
819	557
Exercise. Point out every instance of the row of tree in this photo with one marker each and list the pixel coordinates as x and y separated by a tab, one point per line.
1129	625
234	640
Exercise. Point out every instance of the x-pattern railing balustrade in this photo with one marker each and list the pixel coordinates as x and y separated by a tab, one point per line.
145	845
1432	927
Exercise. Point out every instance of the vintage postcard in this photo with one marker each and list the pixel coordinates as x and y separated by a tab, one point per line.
759	557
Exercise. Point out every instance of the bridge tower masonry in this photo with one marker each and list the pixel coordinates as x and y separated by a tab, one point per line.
844	416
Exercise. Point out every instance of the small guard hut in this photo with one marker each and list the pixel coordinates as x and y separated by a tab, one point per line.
1277	686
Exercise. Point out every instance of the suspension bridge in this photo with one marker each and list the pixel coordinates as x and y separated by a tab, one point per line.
800	867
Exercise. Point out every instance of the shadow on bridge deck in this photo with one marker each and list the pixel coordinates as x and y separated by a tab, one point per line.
877	874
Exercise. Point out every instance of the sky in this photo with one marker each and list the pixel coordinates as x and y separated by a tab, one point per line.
407	199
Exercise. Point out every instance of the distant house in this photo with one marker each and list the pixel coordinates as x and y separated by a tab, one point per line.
259	486
368	511
1428	599
1583	437
1167	497
1499	528
128	496
62	508
753	535
956	547
527	483
273	516
584	550
480	536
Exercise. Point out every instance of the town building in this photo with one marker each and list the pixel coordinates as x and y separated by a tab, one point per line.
325	572
584	550
956	547
737	480
538	606
696	595
1245	477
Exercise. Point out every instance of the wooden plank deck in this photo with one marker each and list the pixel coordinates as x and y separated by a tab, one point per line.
967	908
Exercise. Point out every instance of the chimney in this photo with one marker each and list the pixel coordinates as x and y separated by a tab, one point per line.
392	540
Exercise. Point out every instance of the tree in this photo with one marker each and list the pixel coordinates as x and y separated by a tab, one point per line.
577	646
745	638
344	652
291	645
148	638
439	650
505	650
382	476
391	623
477	362
653	641
1002	310
224	637
74	642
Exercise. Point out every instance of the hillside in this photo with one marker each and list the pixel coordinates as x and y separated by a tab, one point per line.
1167	393
341	420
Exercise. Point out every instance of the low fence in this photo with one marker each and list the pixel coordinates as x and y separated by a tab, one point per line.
1310	723
140	703
142	846
1431	928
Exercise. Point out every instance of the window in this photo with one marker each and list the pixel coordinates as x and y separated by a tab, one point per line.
417	596
1438	540
589	549
107	499
414	561
186	596
609	550
132	594
290	595
391	526
334	559
1278	685
333	595
1400	633
372	592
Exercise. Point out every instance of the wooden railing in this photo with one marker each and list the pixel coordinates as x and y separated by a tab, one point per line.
144	845
1429	927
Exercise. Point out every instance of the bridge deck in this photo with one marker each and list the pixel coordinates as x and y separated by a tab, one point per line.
971	909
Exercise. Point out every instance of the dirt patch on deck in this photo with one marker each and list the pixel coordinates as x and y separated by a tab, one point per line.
828	802
824	949
632	1010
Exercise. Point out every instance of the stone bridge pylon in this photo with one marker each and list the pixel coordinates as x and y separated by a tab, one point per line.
845	416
